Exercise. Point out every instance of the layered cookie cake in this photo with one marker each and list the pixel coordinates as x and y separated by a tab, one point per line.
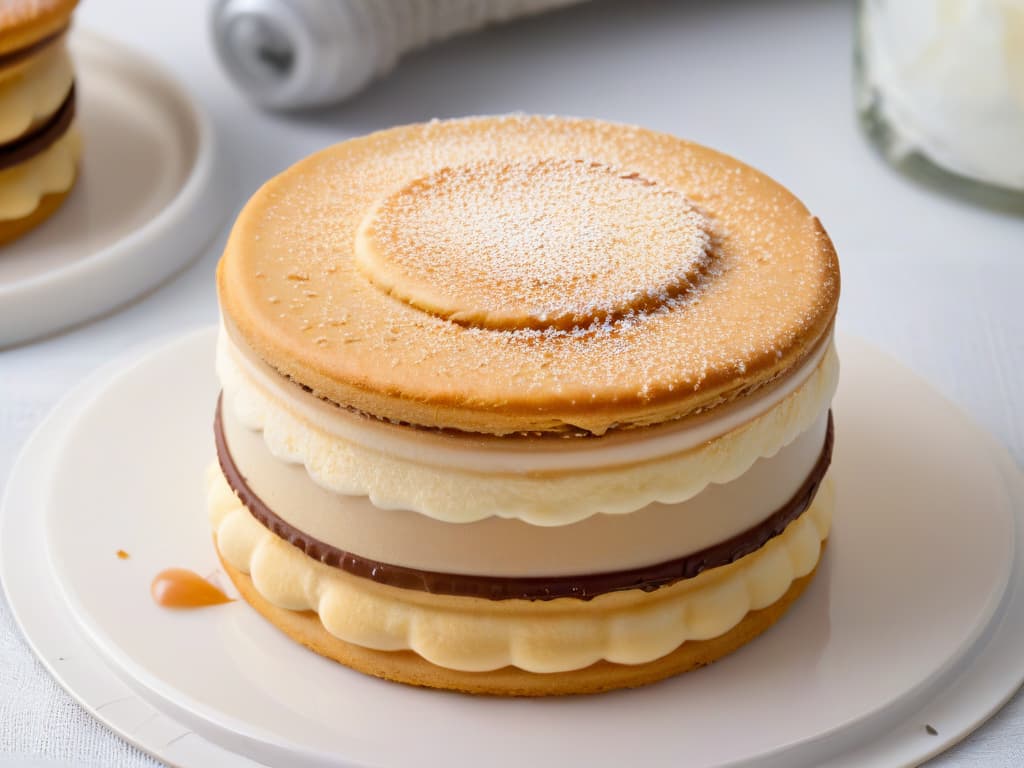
523	405
39	145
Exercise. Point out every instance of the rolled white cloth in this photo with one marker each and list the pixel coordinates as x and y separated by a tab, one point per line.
286	54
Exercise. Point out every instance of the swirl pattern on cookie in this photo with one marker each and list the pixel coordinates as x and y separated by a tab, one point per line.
487	243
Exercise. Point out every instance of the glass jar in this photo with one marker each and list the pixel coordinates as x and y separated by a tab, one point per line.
940	90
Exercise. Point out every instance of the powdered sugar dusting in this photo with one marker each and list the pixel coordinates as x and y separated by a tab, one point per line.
546	243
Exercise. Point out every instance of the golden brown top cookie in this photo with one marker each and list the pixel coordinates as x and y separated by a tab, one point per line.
26	22
518	274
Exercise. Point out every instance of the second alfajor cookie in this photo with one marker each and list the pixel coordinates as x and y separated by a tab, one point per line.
39	144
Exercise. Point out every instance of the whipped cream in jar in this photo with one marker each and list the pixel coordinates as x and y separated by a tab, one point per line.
941	92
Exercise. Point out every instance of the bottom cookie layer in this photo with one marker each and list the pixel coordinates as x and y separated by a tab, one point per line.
12	229
407	667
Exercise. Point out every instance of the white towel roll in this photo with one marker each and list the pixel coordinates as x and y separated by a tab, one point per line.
286	54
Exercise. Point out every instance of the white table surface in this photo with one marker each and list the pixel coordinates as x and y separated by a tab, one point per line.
937	283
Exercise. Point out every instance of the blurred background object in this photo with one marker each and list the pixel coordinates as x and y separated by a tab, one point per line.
287	54
941	92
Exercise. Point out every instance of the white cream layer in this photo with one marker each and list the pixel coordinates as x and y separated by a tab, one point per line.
472	634
542	481
502	547
51	171
34	91
517	455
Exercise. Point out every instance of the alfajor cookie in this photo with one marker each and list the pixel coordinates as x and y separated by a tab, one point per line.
522	405
39	144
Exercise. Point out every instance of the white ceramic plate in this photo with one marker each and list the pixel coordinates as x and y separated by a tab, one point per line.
43	617
148	199
916	616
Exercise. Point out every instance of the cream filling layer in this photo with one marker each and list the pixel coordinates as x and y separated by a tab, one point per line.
51	171
35	91
503	547
512	454
472	634
462	479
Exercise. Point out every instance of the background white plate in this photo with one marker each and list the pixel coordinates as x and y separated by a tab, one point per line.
908	622
149	197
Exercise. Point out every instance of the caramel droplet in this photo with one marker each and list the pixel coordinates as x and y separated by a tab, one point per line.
122	555
181	588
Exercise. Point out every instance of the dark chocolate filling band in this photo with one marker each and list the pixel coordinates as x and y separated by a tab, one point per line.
582	587
13	57
31	144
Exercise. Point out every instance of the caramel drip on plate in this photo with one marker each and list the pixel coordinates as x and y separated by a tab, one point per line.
181	588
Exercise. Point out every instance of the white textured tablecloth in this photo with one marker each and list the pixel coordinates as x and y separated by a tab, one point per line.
938	284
